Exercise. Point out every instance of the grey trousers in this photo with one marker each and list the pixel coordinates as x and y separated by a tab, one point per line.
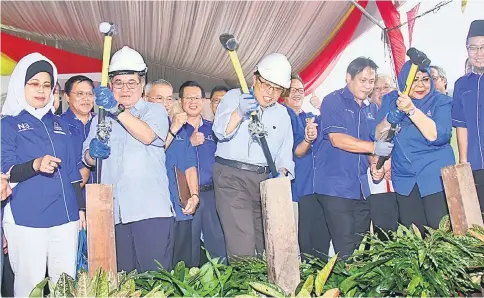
237	197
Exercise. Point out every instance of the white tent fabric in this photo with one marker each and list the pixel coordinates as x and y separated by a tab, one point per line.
180	39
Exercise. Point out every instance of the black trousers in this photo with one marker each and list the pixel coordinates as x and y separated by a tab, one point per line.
206	221
7	278
422	211
184	244
347	221
479	181
384	211
140	243
313	233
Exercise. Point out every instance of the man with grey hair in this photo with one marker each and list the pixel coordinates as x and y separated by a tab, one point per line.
160	91
439	77
384	84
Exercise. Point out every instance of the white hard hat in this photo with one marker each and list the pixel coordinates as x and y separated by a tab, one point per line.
127	61
275	68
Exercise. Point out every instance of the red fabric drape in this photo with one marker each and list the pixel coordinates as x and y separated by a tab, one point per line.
312	74
411	14
66	62
391	19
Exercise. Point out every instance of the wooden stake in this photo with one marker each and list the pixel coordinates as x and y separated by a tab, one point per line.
281	243
461	194
100	228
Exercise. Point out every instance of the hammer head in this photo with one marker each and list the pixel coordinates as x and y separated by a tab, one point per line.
229	42
418	58
107	28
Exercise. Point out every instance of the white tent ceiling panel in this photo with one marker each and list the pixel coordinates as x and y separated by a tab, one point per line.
179	39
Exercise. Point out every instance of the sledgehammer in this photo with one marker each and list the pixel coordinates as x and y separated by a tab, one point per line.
231	45
419	59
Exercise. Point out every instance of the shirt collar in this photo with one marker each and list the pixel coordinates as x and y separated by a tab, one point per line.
69	113
348	95
139	105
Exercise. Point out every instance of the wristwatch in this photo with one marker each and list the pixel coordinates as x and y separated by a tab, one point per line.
120	109
411	112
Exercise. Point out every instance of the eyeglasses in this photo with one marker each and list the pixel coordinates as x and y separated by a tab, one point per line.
161	98
296	90
474	49
382	89
130	84
424	81
269	87
38	85
81	94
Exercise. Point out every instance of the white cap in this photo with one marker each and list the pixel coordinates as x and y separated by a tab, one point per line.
276	68
127	61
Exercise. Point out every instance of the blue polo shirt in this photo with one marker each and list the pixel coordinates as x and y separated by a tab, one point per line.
304	182
44	200
298	136
468	112
205	153
306	165
415	160
181	154
340	173
79	133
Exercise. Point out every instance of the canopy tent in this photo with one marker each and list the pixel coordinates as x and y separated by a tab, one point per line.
179	39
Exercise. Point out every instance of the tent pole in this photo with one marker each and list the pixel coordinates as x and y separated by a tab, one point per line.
386	37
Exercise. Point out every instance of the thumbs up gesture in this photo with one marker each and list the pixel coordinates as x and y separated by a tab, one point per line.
311	131
197	138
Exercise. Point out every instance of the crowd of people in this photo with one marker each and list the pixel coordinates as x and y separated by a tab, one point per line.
331	158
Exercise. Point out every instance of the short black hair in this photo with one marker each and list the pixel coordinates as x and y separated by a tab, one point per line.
356	66
217	89
76	79
190	84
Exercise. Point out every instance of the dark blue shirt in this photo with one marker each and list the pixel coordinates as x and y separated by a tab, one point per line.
182	155
340	173
205	153
45	200
79	133
468	112
304	182
306	165
416	160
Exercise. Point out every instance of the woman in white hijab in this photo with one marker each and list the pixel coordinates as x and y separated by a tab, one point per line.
42	214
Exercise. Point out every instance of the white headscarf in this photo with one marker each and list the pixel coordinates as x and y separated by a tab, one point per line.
15	101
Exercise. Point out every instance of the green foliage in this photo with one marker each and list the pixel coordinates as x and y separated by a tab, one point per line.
102	284
406	264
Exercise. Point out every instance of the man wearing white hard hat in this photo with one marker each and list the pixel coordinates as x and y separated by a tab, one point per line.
134	162
240	164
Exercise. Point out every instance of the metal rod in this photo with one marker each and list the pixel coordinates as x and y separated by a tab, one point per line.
367	14
386	37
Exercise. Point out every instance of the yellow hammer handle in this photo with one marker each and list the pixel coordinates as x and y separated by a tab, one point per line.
238	70
411	77
106	55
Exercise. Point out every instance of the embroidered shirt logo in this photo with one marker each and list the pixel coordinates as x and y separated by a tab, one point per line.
370	116
210	138
429	113
23	127
58	128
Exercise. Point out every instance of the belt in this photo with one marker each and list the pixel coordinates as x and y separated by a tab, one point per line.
242	165
205	187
